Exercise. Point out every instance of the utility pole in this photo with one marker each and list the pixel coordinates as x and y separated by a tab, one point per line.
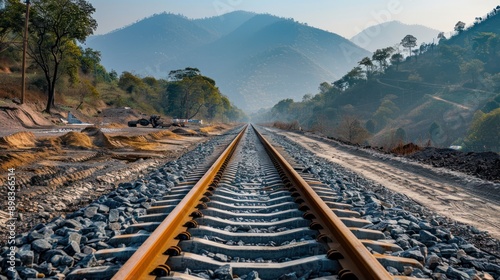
25	47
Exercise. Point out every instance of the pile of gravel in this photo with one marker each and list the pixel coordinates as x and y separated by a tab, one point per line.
483	165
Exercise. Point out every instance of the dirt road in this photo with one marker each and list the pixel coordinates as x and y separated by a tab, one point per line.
456	196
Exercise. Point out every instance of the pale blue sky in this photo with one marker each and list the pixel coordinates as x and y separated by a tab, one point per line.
345	18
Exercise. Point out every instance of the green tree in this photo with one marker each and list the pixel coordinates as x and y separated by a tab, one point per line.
354	76
55	26
381	56
129	82
191	93
409	42
484	133
324	87
367	62
396	59
282	108
89	60
179	74
472	69
11	24
460	26
385	112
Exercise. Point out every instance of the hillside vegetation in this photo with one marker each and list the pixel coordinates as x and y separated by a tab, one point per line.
443	94
71	77
256	59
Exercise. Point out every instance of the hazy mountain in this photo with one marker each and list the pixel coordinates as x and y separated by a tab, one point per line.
224	24
256	59
424	99
389	33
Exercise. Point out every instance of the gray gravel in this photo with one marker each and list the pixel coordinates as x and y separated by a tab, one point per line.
52	250
439	243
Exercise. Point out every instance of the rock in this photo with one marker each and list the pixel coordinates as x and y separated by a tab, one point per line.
103	209
427	237
70	223
224	272
432	261
72	236
34	235
27	272
48	255
254	275
220	257
98	217
41	245
392	270
72	248
26	257
90	211
88	261
13	275
114	215
67	261
45	268
456	274
114	226
289	276
413	254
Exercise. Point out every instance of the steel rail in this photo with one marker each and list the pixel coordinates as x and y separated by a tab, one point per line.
356	260
149	261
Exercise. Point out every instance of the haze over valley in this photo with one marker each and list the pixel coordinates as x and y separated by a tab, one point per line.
256	59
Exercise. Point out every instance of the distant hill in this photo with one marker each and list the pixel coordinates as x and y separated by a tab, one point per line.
389	33
449	94
256	59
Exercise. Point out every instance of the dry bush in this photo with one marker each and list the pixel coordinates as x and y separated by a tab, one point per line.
294	125
406	149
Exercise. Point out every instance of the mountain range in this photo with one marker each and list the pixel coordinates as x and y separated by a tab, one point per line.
256	59
390	33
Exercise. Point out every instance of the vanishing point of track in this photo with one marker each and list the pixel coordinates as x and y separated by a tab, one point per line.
264	217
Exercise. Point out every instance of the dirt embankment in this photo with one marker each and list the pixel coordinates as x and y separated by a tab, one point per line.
482	165
61	172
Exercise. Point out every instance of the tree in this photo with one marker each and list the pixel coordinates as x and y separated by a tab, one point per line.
351	130
89	60
472	69
188	72
324	87
129	82
354	76
460	26
191	94
484	133
55	26
367	62
11	23
441	36
409	42
396	59
282	108
385	112
381	56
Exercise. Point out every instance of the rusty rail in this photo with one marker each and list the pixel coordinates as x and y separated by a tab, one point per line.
356	260
149	261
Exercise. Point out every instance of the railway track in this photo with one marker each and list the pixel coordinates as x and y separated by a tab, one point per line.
250	215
